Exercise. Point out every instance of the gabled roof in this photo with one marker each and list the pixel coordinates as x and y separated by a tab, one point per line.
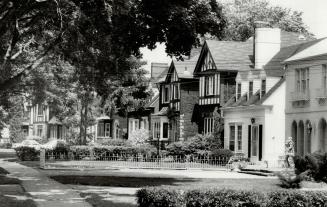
316	48
254	99
185	68
158	72
275	66
230	55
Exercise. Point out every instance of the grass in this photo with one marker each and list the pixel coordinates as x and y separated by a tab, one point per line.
119	181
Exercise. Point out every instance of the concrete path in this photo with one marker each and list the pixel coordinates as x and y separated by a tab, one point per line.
45	191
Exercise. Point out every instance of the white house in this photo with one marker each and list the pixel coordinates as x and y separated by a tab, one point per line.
255	117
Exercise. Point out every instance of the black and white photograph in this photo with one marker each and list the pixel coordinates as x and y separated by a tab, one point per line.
163	103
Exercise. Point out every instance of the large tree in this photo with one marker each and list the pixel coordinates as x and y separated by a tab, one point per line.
241	16
97	36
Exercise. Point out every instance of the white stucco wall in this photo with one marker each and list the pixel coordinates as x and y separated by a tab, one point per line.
274	131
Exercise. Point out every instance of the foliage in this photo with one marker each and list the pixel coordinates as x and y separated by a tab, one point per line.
139	137
241	16
117	142
159	197
198	145
218	133
314	164
27	153
232	198
289	180
5	145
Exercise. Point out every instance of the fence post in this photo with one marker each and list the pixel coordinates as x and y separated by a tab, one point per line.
91	153
42	158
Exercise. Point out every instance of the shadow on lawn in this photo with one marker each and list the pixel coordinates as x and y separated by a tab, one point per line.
115	181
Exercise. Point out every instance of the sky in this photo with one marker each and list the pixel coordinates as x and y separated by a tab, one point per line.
314	16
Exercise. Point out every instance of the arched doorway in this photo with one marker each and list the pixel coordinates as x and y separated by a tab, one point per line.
300	140
294	135
322	135
307	138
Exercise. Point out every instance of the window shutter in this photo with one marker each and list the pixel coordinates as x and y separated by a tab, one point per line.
249	141
260	142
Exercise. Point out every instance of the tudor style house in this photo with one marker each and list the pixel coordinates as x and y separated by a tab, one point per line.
255	116
306	97
43	123
178	93
216	68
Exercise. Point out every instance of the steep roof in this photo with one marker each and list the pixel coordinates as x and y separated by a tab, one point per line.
158	71
153	101
231	55
275	66
293	38
186	68
318	47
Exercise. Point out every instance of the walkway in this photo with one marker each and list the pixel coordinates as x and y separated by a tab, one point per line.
46	192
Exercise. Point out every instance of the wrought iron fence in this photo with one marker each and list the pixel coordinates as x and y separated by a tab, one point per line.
105	160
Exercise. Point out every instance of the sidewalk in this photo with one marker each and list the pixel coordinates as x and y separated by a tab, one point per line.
45	191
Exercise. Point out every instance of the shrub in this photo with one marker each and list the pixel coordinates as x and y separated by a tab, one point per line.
27	153
139	137
230	198
117	142
315	164
178	149
80	152
159	197
5	145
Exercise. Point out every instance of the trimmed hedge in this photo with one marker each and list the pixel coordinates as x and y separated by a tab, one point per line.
167	197
25	153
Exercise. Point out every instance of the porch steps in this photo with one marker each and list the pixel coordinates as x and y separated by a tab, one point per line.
259	172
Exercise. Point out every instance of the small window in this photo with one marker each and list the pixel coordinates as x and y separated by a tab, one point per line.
176	91
107	130
40	110
209	85
324	76
263	87
250	88
208	125
239	90
166	94
165	130
39	130
239	137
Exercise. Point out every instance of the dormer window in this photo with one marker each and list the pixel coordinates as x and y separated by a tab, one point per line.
238	92
250	88
263	87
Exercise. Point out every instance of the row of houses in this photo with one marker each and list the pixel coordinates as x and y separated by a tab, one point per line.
261	87
268	88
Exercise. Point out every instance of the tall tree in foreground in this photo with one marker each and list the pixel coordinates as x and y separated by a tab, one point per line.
241	16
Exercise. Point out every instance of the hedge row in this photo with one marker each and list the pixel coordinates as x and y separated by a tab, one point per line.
168	197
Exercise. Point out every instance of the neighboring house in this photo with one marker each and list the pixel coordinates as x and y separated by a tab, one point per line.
254	118
43	123
178	94
107	128
306	96
216	68
142	119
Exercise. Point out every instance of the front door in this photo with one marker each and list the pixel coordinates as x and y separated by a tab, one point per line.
255	142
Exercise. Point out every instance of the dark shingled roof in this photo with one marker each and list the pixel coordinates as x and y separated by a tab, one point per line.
275	66
231	55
